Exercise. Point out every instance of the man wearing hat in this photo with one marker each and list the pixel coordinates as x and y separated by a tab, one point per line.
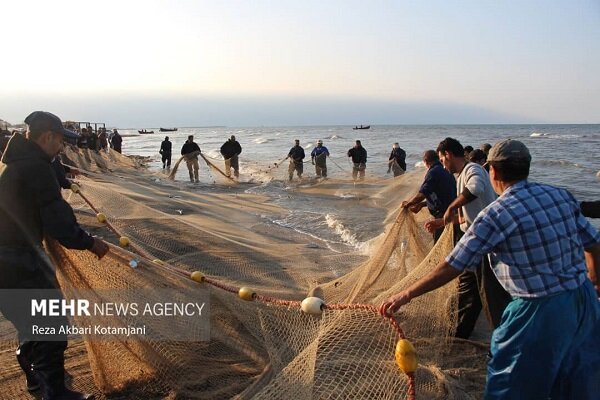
296	156
359	160
547	256
230	151
319	159
31	207
165	152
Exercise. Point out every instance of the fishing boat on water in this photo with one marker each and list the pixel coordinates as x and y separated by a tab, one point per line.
168	129
144	132
362	127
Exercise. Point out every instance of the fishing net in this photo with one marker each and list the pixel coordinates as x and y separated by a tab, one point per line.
266	348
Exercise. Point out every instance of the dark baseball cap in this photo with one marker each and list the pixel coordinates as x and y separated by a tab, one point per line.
42	121
509	149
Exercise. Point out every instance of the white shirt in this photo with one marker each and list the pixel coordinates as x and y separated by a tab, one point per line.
476	179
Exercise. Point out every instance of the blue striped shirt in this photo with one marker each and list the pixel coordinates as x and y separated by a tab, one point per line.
535	235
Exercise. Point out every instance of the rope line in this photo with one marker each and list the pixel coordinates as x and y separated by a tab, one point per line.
147	259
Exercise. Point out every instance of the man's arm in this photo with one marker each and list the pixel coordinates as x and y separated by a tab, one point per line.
441	275
464	198
417	199
592	259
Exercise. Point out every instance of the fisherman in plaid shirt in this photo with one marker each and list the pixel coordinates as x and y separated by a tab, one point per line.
547	256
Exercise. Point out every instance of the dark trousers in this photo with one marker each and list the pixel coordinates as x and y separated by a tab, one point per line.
23	269
479	290
166	160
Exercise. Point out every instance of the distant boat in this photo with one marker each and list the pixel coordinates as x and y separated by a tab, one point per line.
168	129
362	127
145	132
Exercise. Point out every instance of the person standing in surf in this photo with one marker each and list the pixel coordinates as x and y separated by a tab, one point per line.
165	152
319	159
190	152
359	160
397	160
230	150
296	156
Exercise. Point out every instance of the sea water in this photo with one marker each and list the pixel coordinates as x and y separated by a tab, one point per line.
562	155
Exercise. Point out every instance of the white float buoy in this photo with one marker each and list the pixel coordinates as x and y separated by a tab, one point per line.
312	305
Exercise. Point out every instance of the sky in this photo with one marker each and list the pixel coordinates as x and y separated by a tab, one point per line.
256	62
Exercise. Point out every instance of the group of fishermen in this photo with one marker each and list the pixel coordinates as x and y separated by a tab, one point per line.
231	149
526	254
358	155
190	151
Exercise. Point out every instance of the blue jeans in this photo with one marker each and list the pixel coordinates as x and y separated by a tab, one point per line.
547	348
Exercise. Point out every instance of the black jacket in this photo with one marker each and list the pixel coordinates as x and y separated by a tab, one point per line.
116	140
400	156
358	154
297	154
230	148
31	204
61	171
189	147
165	148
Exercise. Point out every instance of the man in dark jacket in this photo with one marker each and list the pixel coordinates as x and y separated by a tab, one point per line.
165	151
296	156
116	141
61	171
190	152
31	207
397	160
437	192
359	159
92	140
230	151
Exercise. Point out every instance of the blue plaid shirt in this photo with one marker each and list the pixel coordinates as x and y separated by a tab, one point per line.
535	235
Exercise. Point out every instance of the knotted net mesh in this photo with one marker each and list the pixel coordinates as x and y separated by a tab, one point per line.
257	349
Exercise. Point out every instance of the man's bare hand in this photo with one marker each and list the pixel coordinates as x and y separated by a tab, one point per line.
393	304
434	224
100	248
416	207
448	216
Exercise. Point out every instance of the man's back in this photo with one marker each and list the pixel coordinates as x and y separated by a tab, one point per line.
476	180
536	235
165	147
439	189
